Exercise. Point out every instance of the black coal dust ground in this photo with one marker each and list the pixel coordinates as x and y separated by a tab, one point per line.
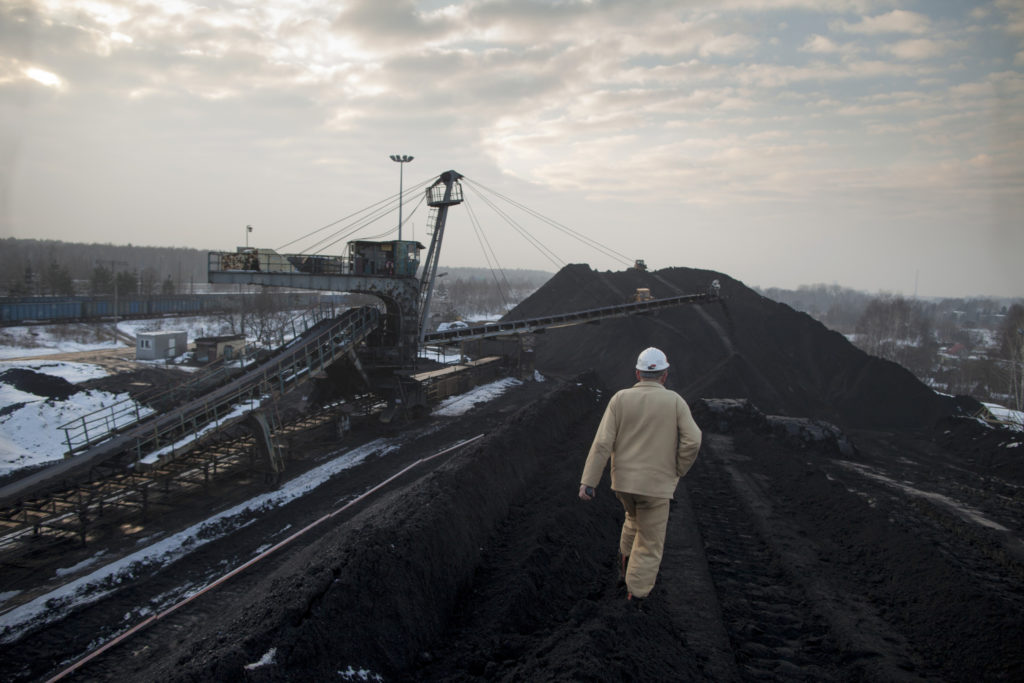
842	523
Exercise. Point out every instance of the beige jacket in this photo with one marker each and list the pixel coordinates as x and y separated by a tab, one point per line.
651	438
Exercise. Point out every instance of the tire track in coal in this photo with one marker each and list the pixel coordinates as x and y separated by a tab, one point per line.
774	634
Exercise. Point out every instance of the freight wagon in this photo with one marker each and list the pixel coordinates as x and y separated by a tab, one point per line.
61	309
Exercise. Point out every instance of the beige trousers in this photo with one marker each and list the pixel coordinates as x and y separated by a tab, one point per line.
643	540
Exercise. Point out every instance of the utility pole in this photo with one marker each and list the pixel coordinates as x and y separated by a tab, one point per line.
402	160
113	274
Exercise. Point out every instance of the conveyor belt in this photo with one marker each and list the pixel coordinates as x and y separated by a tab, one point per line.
529	325
165	433
88	430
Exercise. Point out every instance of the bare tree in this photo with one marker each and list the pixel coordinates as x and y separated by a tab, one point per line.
1011	350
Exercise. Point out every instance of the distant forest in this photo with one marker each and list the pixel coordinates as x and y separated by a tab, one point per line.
972	346
52	268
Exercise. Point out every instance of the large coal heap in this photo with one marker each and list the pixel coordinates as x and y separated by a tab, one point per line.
745	346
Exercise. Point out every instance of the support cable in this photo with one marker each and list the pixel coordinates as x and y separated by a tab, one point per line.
323	244
376	211
589	241
496	268
378	236
544	250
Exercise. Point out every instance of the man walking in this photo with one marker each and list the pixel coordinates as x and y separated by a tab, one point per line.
649	434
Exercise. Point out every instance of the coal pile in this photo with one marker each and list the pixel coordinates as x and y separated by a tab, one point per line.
38	383
745	345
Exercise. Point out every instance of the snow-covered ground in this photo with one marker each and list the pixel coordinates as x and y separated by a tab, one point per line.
30	433
40	340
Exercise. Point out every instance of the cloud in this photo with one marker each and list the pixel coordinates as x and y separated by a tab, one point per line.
820	45
718	105
896	21
823	45
1014	15
918	48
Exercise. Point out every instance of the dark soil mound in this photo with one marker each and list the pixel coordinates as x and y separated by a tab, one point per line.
382	592
38	383
998	449
745	346
783	562
143	384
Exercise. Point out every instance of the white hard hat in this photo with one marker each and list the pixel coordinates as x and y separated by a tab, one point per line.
651	360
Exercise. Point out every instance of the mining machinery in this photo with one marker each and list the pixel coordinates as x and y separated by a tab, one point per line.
121	455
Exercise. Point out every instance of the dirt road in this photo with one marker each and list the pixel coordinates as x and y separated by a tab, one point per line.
115	359
900	561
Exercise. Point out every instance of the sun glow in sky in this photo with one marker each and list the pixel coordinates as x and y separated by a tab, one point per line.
875	144
43	77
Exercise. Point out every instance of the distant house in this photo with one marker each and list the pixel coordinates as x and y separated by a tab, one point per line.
209	349
160	345
956	349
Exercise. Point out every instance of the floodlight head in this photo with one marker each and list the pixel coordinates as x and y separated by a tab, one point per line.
401	158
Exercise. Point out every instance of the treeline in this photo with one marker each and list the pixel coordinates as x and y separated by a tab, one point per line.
52	268
479	292
972	346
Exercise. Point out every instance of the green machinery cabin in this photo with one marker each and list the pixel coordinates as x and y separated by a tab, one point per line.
398	258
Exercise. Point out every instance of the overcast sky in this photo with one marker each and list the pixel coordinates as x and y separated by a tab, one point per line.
874	144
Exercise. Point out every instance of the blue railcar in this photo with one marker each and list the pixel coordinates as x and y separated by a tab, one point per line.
47	309
44	309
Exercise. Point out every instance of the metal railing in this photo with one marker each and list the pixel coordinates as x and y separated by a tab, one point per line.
181	427
99	425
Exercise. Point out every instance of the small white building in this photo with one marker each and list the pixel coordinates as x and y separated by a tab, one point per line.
160	345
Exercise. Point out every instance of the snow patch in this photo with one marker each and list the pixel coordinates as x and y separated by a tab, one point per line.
463	403
267	658
237	411
31	435
74	569
963	511
353	674
1014	419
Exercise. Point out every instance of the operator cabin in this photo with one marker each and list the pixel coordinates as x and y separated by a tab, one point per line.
398	258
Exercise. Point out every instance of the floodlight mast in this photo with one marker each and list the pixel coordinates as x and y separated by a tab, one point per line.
401	160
